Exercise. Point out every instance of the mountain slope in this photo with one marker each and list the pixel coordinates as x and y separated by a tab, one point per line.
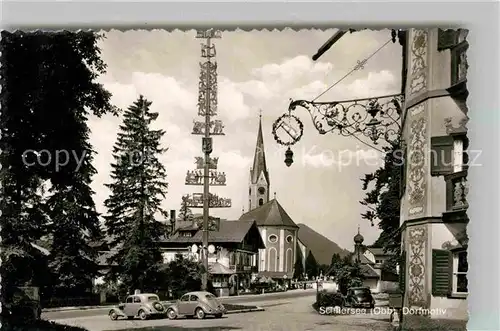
321	247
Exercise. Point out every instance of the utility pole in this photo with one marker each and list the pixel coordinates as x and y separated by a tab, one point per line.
206	167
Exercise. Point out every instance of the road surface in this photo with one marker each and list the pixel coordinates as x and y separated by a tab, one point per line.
286	314
244	299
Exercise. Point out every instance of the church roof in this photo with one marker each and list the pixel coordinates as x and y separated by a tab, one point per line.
259	160
270	214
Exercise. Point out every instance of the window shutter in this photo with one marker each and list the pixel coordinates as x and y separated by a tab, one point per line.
447	39
402	271
441	155
442	267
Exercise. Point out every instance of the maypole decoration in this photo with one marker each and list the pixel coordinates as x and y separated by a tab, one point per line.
206	172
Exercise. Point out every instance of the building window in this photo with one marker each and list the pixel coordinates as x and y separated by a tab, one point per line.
460	268
273	238
289	239
262	190
261	202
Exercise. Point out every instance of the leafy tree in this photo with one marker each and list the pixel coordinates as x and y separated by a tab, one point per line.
336	258
382	199
48	93
336	264
185	213
298	272
356	276
312	268
136	194
348	274
183	275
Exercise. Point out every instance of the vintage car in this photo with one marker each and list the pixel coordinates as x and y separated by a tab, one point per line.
143	305
199	304
359	297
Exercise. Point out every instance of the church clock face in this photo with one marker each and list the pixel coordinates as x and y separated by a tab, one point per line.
262	190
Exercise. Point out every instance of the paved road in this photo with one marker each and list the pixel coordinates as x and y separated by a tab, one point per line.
293	314
244	299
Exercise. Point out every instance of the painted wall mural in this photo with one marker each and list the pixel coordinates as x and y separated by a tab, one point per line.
419	62
416	160
417	239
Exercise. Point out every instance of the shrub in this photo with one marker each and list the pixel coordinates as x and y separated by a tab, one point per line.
329	299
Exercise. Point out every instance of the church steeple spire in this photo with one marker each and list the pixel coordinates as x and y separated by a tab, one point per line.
259	176
259	159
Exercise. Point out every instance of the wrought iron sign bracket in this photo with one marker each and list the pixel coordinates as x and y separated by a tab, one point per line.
374	118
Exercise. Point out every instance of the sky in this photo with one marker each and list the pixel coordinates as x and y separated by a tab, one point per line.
257	71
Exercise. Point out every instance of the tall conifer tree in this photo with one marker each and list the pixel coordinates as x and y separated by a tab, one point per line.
49	90
138	187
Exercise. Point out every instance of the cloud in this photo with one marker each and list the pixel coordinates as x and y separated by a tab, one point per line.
232	106
292	68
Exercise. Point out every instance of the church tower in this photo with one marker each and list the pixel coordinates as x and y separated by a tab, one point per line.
258	193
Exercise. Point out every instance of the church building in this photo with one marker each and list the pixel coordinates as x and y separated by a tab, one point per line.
278	230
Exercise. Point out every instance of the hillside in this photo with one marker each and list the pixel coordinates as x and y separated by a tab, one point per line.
321	247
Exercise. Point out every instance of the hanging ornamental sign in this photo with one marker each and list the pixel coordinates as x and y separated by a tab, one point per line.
195	200
287	130
213	223
215	128
195	177
212	163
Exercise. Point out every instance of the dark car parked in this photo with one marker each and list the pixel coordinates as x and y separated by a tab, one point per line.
359	297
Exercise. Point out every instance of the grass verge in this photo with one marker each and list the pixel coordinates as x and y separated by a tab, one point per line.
230	307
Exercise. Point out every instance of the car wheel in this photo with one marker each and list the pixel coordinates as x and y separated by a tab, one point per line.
218	315
200	313
142	315
171	314
113	315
